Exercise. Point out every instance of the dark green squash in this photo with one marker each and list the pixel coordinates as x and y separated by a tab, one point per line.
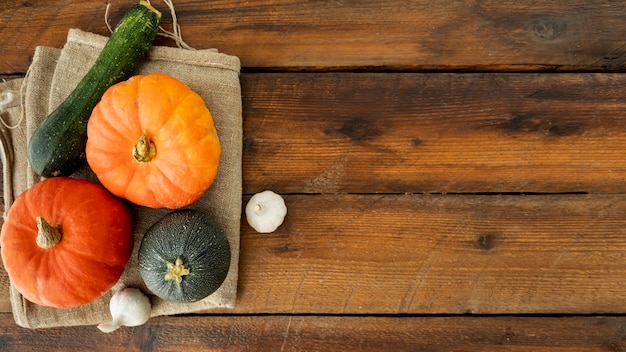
57	146
184	257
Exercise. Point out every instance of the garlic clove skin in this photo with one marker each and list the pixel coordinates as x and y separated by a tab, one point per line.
129	307
266	211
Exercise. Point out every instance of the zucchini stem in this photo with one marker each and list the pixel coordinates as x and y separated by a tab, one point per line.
147	4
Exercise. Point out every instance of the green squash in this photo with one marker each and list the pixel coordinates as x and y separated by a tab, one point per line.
184	257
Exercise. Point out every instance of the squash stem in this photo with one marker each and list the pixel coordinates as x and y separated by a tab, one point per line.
144	150
176	271
48	236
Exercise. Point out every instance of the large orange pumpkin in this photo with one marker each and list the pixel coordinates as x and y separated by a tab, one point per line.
65	242
152	140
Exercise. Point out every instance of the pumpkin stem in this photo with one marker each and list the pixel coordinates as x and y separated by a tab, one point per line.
176	271
144	150
48	235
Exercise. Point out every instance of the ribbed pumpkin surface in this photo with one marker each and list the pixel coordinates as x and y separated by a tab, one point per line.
95	245
152	140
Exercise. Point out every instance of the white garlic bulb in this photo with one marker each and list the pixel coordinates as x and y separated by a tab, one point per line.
129	307
266	211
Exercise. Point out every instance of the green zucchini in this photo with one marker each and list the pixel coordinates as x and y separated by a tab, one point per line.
57	147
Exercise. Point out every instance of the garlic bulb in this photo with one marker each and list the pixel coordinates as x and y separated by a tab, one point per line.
129	307
266	211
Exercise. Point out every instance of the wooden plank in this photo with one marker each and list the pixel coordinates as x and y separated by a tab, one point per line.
396	34
445	254
434	133
439	254
330	333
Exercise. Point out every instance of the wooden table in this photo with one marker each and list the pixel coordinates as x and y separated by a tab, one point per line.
455	173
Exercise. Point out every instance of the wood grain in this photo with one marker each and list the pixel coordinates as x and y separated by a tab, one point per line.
444	254
406	35
385	254
449	187
330	333
434	133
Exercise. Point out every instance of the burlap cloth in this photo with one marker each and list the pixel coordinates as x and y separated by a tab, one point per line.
51	77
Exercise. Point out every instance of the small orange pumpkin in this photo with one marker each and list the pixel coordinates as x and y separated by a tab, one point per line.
66	241
152	140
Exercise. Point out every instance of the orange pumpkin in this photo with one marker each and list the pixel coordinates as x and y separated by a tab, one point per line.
152	140
65	242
